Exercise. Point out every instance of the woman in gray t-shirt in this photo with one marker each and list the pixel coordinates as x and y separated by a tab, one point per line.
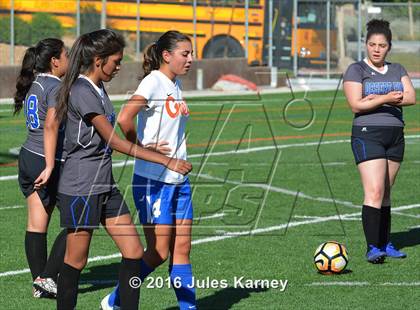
376	91
42	67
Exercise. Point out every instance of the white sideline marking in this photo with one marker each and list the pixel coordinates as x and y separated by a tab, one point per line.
401	283
12	207
9	177
343	218
408	215
244	151
407	207
280	190
210	216
228	235
306	217
339	283
356	283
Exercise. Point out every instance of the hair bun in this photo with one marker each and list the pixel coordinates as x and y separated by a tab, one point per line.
377	23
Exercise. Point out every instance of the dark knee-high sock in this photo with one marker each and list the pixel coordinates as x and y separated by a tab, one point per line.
145	270
371	218
36	252
129	289
56	258
385	225
67	287
182	282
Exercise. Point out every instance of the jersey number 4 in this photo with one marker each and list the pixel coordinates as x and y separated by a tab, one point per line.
31	109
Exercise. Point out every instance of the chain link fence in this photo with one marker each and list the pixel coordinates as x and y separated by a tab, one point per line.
301	37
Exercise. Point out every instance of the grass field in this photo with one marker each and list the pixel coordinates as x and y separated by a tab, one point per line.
266	194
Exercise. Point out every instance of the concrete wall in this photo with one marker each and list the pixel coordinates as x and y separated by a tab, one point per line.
128	78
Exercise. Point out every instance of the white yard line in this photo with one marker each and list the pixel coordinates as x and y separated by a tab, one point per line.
357	283
11	207
228	235
280	190
233	152
339	283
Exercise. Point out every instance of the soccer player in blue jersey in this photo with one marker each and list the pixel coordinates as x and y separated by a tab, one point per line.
42	67
377	91
162	197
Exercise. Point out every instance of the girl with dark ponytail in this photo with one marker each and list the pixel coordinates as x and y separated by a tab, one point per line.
88	194
163	198
36	86
377	91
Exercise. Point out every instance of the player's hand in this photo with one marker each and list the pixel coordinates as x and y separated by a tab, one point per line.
179	165
394	97
43	178
160	147
369	97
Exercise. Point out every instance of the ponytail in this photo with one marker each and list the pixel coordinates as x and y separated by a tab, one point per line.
152	59
25	78
73	71
167	42
37	59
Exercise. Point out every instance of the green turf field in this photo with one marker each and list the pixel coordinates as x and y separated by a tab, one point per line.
266	194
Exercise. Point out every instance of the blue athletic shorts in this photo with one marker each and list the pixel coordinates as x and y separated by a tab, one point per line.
162	203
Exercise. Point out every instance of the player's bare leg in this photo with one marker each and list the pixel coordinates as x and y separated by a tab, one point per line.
373	174
180	268
124	233
158	239
386	245
36	236
75	259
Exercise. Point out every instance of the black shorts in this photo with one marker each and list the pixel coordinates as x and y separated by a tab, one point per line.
88	211
373	142
30	167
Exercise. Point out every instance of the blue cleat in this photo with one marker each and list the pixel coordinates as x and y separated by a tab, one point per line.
375	255
391	251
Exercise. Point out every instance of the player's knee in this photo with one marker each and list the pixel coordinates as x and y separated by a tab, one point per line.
76	262
376	194
133	252
183	249
34	226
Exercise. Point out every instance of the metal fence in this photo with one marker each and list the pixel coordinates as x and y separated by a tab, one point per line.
303	37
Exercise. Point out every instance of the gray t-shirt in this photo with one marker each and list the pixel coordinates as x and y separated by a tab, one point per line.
374	82
88	166
40	97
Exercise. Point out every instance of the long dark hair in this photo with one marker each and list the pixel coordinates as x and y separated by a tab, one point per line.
37	59
167	42
101	43
379	26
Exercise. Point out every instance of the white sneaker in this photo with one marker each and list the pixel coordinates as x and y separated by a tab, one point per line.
46	285
36	293
105	304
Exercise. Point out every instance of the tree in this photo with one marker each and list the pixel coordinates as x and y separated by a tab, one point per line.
45	25
22	31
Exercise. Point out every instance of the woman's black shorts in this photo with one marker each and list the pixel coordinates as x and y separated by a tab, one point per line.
373	142
89	211
30	167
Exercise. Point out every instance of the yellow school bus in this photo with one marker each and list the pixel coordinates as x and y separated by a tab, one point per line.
220	28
